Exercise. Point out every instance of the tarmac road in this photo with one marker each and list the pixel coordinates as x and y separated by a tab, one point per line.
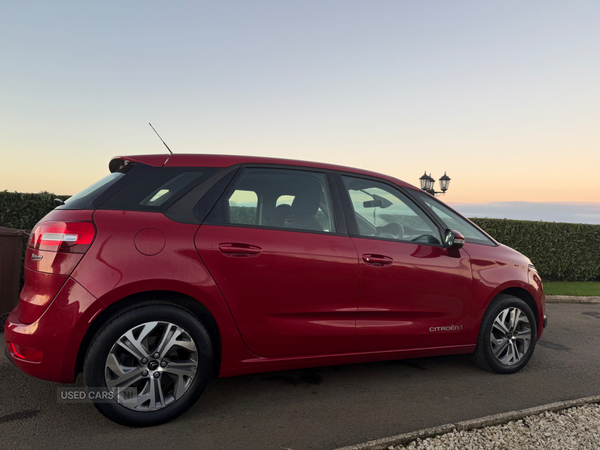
321	408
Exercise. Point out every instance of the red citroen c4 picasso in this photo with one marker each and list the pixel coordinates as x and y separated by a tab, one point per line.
172	269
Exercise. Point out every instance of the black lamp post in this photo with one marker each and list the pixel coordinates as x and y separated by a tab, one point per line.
427	183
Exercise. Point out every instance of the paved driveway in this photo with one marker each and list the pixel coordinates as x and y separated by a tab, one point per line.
322	408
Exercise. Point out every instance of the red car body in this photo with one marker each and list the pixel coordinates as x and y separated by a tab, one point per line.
272	299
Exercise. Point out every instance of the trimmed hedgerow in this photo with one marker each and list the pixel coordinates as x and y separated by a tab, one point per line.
559	251
23	211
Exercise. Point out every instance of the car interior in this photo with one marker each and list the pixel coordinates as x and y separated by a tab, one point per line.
281	199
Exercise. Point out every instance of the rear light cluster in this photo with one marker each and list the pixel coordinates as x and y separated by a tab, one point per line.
54	250
68	237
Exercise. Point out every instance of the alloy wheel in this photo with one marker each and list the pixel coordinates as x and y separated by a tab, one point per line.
151	366
510	336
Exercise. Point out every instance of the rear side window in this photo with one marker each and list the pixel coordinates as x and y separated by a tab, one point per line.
167	191
277	198
242	207
159	189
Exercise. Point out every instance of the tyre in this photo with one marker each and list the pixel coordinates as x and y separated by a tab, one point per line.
3	318
155	359
507	335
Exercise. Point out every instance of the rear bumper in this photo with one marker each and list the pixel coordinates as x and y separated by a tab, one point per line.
7	354
57	334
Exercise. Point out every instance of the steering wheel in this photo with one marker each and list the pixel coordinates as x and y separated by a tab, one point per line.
392	230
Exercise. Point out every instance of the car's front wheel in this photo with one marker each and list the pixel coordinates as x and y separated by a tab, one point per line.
154	361
507	335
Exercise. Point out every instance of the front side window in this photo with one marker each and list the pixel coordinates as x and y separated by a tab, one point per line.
455	222
384	212
279	198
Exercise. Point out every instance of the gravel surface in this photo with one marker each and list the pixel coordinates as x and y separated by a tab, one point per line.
573	428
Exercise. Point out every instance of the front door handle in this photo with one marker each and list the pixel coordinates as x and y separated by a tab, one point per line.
378	260
240	249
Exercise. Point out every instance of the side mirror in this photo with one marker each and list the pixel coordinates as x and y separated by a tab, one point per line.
453	239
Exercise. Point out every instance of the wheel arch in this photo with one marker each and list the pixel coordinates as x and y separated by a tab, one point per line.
524	295
184	301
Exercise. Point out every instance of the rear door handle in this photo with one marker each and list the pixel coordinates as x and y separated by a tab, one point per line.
378	260
240	249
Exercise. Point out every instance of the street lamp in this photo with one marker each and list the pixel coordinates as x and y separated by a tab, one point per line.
427	183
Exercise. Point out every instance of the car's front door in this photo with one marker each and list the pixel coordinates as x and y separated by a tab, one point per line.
414	293
288	275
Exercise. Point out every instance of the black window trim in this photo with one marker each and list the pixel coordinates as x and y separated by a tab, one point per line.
338	215
183	209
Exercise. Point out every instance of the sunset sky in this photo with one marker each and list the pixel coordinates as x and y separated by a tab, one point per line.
504	96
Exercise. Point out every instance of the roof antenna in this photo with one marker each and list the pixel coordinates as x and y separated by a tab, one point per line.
160	138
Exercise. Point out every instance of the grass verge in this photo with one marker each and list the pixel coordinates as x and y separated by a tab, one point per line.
577	288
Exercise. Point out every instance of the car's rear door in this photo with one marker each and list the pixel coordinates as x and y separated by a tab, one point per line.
284	263
414	293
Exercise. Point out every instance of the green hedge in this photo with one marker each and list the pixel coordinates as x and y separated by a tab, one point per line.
23	211
559	251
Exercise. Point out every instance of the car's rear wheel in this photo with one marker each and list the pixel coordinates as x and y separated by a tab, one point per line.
155	361
507	336
3	318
